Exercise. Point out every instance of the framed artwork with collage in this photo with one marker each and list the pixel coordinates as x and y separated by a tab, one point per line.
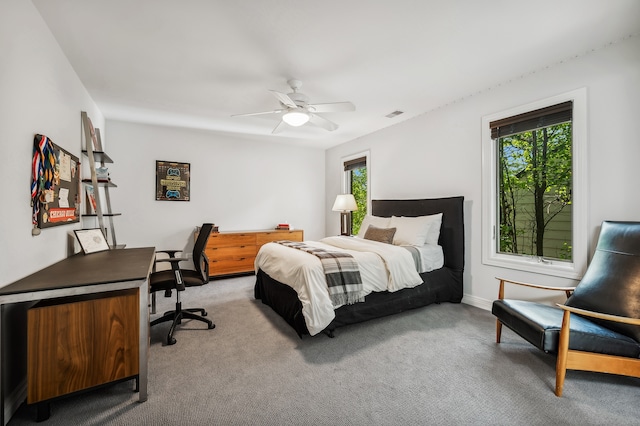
55	184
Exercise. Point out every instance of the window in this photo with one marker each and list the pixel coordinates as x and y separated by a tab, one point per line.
534	187
356	182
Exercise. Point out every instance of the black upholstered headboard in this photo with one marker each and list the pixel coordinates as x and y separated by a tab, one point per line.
452	230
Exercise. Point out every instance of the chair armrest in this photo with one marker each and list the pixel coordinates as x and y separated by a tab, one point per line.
174	261
171	253
599	315
567	290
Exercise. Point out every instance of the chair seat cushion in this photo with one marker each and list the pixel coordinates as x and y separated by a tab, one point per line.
166	280
540	325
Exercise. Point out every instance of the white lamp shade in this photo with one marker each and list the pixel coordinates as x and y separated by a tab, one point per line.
295	118
345	203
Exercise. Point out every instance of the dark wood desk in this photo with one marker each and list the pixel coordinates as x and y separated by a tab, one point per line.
92	274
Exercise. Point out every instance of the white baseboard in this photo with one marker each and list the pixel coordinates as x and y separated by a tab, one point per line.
13	400
477	302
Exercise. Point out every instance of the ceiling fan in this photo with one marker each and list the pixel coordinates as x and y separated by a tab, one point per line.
297	111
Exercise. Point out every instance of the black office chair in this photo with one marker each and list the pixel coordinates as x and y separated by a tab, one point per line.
178	279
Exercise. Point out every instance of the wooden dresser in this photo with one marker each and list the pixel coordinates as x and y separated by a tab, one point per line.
235	252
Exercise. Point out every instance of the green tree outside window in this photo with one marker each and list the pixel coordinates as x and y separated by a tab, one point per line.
535	190
358	178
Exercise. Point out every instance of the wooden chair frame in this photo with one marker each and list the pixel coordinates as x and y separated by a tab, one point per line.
569	359
589	361
567	290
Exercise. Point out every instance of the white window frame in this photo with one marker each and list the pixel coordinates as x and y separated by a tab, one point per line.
490	254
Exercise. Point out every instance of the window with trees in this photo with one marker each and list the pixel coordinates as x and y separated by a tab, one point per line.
534	182
356	182
533	222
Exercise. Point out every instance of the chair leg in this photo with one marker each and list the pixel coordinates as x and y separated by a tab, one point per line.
172	316
189	315
498	331
563	350
176	317
170	339
201	310
168	316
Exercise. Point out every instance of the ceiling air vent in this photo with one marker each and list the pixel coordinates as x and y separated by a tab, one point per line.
394	114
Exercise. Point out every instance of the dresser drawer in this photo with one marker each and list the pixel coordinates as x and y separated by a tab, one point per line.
231	253
235	252
231	240
266	237
233	266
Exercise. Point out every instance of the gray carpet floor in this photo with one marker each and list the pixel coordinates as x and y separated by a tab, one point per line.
436	365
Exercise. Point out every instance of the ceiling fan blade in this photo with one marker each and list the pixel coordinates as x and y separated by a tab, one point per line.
279	128
284	99
276	111
322	122
332	107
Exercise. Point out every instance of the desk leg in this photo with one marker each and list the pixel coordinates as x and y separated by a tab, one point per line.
144	341
3	421
43	411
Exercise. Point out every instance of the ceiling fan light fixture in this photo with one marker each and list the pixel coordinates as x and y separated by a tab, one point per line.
295	118
295	110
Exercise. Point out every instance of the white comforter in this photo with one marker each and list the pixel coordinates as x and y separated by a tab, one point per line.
382	267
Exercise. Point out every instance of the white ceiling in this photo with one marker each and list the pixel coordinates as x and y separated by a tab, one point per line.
194	63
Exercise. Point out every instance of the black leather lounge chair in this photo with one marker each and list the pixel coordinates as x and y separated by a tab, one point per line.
598	328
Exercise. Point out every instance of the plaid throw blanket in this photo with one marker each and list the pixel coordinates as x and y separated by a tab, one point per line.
341	271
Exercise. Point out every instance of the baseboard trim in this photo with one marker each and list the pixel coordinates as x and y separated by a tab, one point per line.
478	302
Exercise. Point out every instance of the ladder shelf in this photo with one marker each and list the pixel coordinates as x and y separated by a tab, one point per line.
100	185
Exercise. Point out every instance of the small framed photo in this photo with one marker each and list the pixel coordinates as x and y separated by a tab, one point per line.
91	240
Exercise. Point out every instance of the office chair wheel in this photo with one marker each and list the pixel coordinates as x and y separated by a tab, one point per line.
171	340
212	326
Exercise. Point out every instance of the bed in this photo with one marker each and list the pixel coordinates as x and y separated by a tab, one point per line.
439	285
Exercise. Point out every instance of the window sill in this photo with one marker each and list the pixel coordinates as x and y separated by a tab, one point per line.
553	268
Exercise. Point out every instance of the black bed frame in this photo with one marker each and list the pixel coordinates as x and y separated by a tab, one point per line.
441	285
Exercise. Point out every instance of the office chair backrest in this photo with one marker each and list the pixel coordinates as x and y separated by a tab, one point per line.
611	284
200	260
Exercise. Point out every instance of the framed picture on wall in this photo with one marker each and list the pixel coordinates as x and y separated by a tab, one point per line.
55	184
173	181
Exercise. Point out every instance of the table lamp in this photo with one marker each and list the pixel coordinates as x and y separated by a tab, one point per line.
345	204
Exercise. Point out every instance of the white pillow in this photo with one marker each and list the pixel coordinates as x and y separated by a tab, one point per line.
377	221
434	232
416	231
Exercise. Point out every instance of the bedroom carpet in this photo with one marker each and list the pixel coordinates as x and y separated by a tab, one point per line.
436	365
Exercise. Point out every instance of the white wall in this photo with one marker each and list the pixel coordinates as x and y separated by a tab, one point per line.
236	184
40	93
440	152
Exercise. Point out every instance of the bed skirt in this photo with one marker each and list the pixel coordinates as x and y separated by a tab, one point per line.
442	285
